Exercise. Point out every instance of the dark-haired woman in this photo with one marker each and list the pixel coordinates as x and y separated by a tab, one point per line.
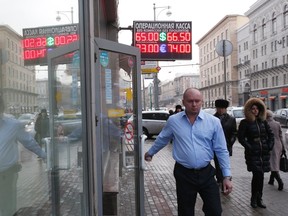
257	138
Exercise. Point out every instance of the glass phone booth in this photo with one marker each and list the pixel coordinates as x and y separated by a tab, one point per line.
95	150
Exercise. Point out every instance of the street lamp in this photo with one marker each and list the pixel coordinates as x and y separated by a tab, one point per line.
155	81
58	18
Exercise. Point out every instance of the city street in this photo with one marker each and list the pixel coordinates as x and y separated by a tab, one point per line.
160	194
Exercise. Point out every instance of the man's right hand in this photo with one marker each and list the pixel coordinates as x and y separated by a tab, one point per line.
147	157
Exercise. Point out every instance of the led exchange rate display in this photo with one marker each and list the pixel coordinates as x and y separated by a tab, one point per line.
38	41
160	40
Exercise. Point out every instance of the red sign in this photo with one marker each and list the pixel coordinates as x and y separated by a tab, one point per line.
129	131
264	92
38	41
163	40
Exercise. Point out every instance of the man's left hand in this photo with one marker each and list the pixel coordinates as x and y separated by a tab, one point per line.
227	186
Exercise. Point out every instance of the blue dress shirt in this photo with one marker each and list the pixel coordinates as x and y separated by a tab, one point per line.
194	144
12	131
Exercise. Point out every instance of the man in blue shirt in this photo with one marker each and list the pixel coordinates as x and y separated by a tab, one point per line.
197	135
12	132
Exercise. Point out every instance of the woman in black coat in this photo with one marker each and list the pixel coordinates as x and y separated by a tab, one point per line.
256	137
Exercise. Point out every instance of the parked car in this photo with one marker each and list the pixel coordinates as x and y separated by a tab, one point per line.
211	111
281	115
237	113
153	122
27	118
69	122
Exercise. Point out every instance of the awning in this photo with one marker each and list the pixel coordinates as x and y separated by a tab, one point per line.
272	97
283	97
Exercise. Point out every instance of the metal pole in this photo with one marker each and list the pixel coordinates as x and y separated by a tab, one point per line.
72	15
1	78
155	81
208	90
225	92
150	97
143	84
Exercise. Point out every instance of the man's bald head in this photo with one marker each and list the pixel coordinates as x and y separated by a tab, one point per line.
192	100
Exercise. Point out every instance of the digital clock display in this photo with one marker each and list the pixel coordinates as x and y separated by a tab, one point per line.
38	41
163	40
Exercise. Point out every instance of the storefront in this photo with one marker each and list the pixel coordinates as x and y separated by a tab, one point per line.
93	83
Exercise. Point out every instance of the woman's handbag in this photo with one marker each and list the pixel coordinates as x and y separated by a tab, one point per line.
284	162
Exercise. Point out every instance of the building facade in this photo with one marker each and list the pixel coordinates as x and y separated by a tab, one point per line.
171	92
17	82
268	35
219	80
258	64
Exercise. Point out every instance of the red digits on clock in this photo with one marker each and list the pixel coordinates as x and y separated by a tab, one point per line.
178	36
148	48
35	53
34	42
65	39
179	48
146	36
185	36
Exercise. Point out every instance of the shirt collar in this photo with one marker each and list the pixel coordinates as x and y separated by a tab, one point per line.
200	115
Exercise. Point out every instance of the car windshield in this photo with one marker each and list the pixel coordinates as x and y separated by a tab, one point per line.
238	113
26	116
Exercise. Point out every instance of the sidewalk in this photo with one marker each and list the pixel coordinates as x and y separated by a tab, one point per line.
160	191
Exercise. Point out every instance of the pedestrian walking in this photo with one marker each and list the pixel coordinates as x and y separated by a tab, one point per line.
42	126
229	127
276	151
178	108
12	132
197	135
255	135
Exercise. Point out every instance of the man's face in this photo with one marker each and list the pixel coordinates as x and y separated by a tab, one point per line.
221	110
192	101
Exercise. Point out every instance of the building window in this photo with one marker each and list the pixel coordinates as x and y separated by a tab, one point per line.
262	51
274	23
255	34
285	16
263	29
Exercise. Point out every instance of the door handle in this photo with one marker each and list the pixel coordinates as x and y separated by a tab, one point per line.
142	153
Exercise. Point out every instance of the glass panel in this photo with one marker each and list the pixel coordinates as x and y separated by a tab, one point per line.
117	135
25	179
64	149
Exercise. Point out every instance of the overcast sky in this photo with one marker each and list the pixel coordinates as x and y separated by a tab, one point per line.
204	14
